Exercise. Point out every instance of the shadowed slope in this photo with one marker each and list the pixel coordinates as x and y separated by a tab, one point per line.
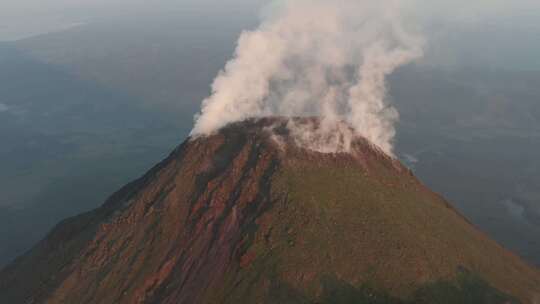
238	218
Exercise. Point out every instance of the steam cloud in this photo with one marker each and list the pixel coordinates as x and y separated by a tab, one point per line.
323	58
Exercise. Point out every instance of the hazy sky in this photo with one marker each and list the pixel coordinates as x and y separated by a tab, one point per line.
484	31
23	18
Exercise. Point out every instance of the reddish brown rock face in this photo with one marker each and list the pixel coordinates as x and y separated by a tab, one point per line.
238	218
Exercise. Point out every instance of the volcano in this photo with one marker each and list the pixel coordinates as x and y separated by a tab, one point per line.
248	216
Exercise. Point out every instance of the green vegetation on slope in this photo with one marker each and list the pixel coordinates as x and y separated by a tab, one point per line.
337	234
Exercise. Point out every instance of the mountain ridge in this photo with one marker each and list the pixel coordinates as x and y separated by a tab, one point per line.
235	216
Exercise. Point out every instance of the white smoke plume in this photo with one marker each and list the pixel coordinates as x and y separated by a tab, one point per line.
324	58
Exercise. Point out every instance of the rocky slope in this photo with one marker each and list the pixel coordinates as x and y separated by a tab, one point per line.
238	217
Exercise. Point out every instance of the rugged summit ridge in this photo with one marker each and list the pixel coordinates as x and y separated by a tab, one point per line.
247	216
